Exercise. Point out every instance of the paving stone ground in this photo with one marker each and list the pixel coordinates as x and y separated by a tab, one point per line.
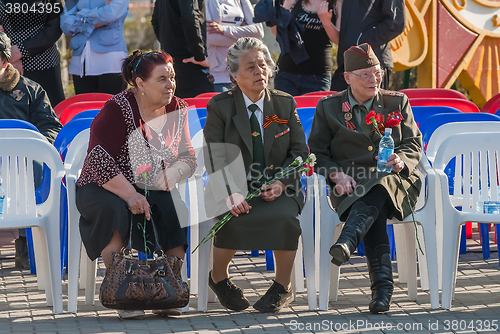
476	308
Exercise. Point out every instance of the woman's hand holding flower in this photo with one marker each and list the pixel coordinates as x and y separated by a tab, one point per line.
272	191
138	204
237	204
344	184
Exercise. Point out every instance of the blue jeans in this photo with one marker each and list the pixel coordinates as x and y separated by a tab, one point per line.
298	84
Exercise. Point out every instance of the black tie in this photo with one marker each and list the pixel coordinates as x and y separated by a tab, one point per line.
257	170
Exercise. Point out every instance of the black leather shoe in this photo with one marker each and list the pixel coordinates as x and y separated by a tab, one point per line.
274	299
359	221
230	296
380	270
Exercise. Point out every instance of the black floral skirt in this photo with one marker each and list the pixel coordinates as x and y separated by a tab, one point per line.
102	212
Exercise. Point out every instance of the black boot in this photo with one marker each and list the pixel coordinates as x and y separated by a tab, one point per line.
380	269
357	224
22	257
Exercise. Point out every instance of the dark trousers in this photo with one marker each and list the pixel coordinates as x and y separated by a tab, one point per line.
191	80
339	84
377	234
50	80
110	83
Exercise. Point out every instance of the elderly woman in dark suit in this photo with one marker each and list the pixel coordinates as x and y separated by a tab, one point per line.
262	126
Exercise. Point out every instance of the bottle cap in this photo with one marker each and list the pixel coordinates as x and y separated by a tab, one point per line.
388	131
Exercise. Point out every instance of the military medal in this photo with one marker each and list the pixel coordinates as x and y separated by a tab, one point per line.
282	133
348	116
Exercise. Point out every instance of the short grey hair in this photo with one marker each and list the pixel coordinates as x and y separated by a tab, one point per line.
243	45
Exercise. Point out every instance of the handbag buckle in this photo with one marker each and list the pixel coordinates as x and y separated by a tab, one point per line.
126	253
130	271
160	254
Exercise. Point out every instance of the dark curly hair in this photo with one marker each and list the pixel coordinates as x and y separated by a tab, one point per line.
141	65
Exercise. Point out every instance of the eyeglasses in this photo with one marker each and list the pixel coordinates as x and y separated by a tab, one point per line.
367	76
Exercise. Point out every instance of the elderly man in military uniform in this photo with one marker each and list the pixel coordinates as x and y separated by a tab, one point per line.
346	147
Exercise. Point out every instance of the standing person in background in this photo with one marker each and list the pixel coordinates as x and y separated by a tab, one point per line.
375	22
180	27
320	32
98	44
34	34
227	20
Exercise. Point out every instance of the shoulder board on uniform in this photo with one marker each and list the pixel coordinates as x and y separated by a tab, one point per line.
332	95
223	95
391	93
279	92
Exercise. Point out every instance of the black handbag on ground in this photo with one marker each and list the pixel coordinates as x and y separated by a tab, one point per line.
133	284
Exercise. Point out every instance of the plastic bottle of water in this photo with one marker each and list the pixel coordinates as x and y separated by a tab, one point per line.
489	207
385	150
2	199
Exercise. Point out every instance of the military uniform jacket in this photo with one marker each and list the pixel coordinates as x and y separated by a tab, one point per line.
338	148
228	123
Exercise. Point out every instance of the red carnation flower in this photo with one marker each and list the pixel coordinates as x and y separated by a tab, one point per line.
392	123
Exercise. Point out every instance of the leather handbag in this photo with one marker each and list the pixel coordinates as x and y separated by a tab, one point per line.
133	284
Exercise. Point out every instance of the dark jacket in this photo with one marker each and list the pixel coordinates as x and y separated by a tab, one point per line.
34	32
339	148
288	30
180	26
24	99
376	25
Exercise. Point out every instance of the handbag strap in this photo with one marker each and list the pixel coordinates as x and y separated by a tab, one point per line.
158	249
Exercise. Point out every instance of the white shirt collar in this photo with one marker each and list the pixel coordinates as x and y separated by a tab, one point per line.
259	103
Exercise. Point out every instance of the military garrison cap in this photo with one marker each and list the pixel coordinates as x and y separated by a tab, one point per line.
358	57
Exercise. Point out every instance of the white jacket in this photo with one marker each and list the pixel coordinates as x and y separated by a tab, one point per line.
230	14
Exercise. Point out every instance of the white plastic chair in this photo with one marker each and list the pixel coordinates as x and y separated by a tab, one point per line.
424	215
27	133
449	129
17	173
438	136
477	181
200	224
306	240
73	164
307	250
78	259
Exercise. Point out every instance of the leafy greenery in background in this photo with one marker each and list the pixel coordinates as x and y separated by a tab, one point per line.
139	33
